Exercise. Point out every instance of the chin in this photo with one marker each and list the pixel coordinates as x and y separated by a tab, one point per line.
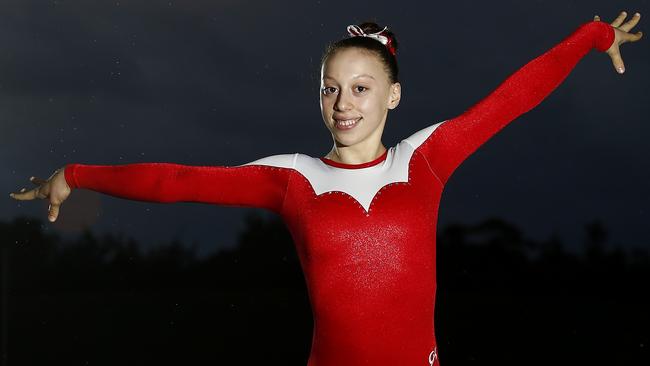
347	140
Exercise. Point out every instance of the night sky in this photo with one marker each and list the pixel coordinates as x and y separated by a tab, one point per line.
228	82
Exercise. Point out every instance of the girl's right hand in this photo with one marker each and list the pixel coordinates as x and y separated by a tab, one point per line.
55	188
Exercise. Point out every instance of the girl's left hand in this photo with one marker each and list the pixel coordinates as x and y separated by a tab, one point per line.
622	35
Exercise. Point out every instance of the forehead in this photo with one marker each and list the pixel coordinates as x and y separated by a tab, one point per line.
352	63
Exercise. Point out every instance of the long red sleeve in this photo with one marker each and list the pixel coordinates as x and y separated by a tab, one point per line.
455	139
246	185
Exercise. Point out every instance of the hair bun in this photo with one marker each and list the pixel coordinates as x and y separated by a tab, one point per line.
372	27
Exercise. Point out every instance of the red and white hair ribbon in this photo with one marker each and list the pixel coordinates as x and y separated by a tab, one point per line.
356	31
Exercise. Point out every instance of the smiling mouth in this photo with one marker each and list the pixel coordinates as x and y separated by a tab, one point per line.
346	124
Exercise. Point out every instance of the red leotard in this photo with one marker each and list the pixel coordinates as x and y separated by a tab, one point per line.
365	233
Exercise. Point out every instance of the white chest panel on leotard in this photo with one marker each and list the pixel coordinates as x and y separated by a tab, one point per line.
362	183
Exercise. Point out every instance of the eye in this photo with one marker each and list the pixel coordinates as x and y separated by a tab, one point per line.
325	89
362	87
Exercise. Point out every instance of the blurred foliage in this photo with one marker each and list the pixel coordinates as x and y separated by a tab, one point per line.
502	298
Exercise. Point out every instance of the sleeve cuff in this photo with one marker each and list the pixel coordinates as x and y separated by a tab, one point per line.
604	35
69	174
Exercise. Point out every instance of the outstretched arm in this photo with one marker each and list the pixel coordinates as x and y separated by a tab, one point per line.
261	183
453	140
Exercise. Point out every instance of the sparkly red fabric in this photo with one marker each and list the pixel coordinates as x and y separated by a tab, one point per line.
370	273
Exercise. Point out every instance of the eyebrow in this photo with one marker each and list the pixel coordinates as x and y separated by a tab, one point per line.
355	77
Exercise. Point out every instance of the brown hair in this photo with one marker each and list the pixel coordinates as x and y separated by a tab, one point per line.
371	45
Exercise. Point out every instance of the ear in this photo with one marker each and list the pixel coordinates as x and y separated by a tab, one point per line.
394	95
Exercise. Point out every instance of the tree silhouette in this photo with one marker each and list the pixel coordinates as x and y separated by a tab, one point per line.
104	300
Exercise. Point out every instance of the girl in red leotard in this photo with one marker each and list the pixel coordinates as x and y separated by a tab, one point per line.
363	217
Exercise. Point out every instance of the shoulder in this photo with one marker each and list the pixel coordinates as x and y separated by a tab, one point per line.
295	161
418	138
278	161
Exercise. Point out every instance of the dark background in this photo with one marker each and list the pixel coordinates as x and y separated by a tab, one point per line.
543	234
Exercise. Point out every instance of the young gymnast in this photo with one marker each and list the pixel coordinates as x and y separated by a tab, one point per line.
363	218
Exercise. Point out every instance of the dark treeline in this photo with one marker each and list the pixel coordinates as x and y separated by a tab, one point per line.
502	299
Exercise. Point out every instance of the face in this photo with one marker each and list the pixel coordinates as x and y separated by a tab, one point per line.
355	86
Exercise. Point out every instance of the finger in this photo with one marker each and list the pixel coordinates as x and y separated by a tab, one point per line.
619	19
21	191
53	212
631	23
29	195
53	174
618	62
631	37
37	180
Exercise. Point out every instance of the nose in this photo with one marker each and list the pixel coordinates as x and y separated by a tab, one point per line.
343	102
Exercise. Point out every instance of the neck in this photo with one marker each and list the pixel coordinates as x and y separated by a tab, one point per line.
347	156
